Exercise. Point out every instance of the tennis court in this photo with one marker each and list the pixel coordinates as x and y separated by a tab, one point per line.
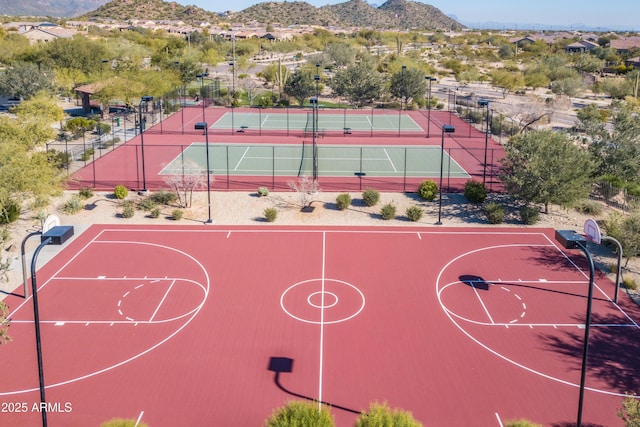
303	121
297	159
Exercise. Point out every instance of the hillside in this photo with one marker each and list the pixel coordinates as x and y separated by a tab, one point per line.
55	8
154	10
286	13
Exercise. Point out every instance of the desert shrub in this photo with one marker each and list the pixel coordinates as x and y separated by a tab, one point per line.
270	214
381	415
388	211
475	191
154	213
529	215
73	205
428	190
300	413
86	154
371	197
521	423
122	422
629	283
164	197
176	214
147	204
120	192
85	192
589	207
10	212
414	213
263	191
128	210
343	201
494	212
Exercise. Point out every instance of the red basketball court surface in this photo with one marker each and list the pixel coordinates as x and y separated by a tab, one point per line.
208	325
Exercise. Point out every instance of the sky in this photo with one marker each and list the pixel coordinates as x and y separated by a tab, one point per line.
613	14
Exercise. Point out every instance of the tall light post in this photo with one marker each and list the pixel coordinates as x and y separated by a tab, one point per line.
205	126
404	67
445	129
569	239
429	79
316	113
201	76
55	236
485	103
144	101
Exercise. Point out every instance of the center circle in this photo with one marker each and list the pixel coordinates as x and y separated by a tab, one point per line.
322	296
322	301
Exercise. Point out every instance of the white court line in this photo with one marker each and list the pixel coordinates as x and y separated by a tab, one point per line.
266	117
162	301
241	158
499	420
139	419
324	252
389	158
482	303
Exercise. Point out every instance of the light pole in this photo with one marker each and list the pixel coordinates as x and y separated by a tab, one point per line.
445	129
205	126
144	101
404	67
316	113
429	79
55	236
569	239
201	76
485	103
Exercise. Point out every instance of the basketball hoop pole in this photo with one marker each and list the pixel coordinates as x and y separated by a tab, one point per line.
24	261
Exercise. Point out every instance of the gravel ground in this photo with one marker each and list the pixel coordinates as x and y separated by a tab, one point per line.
244	208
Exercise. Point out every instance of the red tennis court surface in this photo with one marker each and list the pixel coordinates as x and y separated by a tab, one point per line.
204	325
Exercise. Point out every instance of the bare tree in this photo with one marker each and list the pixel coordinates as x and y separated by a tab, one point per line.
4	324
535	110
306	187
184	184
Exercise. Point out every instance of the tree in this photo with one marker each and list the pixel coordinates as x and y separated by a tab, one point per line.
408	84
24	80
4	324
546	167
340	54
301	85
300	413
630	412
507	80
360	84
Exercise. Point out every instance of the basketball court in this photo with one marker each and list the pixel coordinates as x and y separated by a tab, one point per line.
213	325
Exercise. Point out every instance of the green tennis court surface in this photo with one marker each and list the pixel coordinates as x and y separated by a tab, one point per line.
326	122
295	159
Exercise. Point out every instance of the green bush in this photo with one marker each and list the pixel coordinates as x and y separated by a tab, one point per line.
10	212
381	415
154	213
164	197
371	197
128	210
529	215
121	422
414	213
629	283
343	201
86	154
521	423
148	204
73	205
120	192
263	191
475	191
495	213
428	190
300	413
176	214
85	192
270	214
388	211
589	207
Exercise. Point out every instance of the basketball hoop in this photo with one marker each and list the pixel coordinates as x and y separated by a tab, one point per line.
592	231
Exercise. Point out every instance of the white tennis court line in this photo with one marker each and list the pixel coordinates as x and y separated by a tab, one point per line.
241	158
266	118
390	161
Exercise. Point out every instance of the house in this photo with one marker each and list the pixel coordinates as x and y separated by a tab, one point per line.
48	33
581	46
624	45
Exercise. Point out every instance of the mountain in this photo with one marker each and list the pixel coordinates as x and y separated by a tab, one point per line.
286	13
55	8
154	10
